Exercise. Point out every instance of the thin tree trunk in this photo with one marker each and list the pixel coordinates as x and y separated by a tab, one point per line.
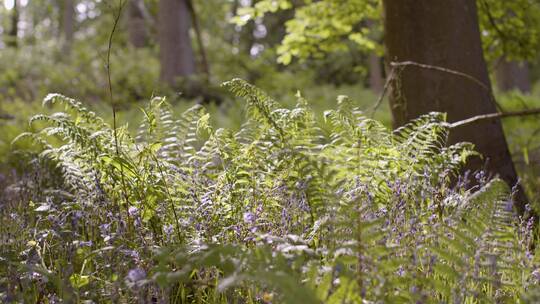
446	34
137	30
68	25
376	81
198	34
513	75
176	53
12	39
375	69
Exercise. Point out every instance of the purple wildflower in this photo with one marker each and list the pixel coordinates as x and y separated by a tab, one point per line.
249	217
133	211
168	229
136	275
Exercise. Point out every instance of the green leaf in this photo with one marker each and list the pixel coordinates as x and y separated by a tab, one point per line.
78	281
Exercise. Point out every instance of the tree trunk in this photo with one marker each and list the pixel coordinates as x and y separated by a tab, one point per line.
446	34
68	25
198	35
14	30
176	52
513	75
376	81
137	30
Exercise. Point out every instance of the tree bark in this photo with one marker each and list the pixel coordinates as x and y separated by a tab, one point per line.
446	34
68	25
176	52
12	39
512	75
137	29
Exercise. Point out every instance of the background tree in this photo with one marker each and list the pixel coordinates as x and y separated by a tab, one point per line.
12	35
205	66
376	79
137	19
68	24
512	75
375	65
176	52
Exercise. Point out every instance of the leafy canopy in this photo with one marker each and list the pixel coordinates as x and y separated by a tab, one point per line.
509	28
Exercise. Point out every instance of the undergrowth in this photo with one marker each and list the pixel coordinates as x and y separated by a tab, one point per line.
286	210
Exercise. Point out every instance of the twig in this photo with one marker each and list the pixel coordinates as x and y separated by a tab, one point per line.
445	70
403	64
453	72
383	93
108	67
494	116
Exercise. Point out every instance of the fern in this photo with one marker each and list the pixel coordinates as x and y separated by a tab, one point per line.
287	209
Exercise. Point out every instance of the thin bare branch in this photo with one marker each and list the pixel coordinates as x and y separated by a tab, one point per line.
494	116
444	70
484	86
490	116
403	64
389	79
